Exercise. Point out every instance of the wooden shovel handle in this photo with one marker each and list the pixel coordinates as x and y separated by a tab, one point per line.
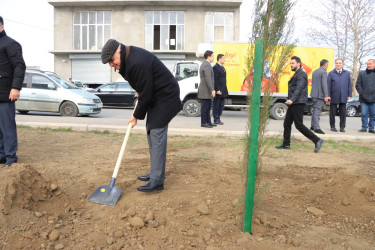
122	151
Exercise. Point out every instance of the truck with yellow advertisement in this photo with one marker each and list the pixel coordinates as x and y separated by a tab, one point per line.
187	74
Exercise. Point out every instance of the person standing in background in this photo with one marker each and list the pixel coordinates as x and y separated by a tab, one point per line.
220	80
319	94
339	92
366	88
206	89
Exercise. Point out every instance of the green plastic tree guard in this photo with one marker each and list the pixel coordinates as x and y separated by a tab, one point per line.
254	134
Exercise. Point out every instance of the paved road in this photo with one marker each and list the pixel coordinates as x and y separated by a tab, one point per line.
235	123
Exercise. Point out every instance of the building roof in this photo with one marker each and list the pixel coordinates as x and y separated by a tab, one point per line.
225	3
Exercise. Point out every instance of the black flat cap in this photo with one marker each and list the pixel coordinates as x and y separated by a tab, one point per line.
109	50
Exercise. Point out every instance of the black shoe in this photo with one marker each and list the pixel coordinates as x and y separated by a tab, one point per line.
283	146
319	131
212	124
342	130
206	125
311	128
9	163
334	129
151	186
219	123
3	160
363	130
144	177
318	145
372	131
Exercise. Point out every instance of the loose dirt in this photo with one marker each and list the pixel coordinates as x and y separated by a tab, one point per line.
307	200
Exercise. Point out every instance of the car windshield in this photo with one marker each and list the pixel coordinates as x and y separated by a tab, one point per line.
62	82
79	84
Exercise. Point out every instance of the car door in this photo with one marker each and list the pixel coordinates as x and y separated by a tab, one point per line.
22	103
106	94
44	95
124	94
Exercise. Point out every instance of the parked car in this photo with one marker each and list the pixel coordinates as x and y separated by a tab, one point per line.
353	106
47	91
118	94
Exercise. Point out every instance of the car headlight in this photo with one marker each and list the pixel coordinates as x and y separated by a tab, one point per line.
88	100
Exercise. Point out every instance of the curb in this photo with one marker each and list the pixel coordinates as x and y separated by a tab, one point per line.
184	131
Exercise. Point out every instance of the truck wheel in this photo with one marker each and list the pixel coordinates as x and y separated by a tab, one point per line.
192	108
68	109
278	111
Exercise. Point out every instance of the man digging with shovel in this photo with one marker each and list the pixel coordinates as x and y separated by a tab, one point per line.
158	97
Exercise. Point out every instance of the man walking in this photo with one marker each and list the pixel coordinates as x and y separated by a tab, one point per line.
297	99
206	89
339	92
158	97
366	88
220	80
12	74
319	94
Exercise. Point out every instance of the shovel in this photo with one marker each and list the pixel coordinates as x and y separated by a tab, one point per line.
109	195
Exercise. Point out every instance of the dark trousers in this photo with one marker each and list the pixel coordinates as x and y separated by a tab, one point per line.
218	107
295	114
342	113
8	132
205	111
157	143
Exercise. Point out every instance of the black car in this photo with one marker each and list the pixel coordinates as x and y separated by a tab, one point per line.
353	106
119	94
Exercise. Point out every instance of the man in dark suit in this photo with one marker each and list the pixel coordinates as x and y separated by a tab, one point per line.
206	89
158	97
366	88
339	91
12	73
297	99
220	76
319	94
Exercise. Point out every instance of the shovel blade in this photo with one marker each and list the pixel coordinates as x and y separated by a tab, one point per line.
105	195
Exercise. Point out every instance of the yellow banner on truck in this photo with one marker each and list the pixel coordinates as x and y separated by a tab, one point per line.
235	65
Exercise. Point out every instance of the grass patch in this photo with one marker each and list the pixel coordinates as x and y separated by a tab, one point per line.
100	132
23	127
62	129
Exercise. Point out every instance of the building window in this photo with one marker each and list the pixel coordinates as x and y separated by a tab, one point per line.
91	29
165	30
219	26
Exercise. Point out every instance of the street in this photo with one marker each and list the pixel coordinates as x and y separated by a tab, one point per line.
233	121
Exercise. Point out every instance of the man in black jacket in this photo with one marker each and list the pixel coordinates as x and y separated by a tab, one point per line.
158	97
220	82
12	74
366	88
297	99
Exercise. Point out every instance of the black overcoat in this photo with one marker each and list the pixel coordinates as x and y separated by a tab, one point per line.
12	66
297	87
158	90
220	81
366	86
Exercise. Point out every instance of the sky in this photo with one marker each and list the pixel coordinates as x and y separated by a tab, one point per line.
32	26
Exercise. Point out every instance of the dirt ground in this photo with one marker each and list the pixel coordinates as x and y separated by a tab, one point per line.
308	200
